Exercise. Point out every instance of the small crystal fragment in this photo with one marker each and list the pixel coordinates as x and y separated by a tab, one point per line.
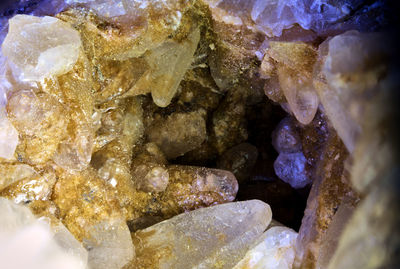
276	250
294	69
168	63
8	136
41	46
203	238
291	168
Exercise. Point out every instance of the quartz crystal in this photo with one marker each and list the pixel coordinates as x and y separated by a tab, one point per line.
127	127
8	136
275	249
361	65
43	247
294	70
41	47
188	240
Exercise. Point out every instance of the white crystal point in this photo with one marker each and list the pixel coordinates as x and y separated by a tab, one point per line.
300	94
8	136
170	62
41	46
42	248
110	245
276	250
217	236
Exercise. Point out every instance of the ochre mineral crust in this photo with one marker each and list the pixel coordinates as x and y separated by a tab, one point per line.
131	131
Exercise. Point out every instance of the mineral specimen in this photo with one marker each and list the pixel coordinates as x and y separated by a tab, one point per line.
124	125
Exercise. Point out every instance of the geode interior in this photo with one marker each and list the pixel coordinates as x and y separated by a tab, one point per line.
197	134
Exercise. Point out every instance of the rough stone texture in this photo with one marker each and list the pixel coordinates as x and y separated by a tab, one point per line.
187	240
41	121
179	133
91	212
275	249
41	47
122	120
13	172
229	123
371	233
34	187
330	186
330	240
240	160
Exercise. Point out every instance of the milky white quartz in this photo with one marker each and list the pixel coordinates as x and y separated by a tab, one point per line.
8	136
275	250
26	242
41	46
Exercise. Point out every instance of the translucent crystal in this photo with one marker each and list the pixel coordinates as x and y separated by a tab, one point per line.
295	66
291	168
8	136
272	16
41	46
276	250
75	152
154	178
350	73
203	238
41	122
169	63
42	246
109	245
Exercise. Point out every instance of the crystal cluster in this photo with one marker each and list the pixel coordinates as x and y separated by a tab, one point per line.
127	128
